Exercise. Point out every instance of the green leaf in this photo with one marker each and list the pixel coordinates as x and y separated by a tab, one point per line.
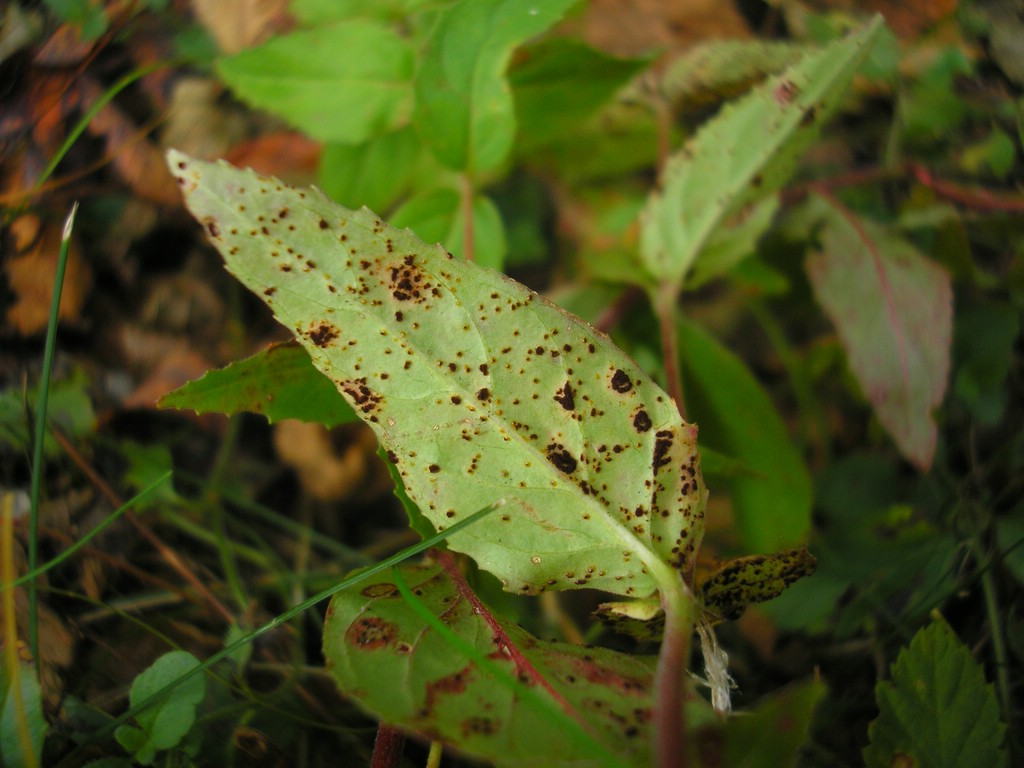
743	581
984	335
163	725
557	84
770	735
374	173
742	156
477	681
772	503
87	15
437	217
280	382
893	309
938	710
69	408
478	388
464	110
721	69
21	716
731	244
347	83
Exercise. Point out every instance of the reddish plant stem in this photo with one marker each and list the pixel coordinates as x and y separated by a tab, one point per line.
669	686
665	308
524	668
979	199
618	309
466	201
387	747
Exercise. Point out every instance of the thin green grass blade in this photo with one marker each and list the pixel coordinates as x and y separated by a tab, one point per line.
40	430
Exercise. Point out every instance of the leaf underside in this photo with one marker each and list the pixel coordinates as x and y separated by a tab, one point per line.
477	388
893	308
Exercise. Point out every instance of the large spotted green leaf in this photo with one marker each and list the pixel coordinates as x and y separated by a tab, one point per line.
478	388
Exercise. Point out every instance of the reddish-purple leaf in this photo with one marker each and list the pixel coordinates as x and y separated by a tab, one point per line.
893	308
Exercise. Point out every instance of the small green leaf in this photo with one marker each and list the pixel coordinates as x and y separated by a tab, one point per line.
771	734
164	724
984	335
938	710
742	156
743	581
485	684
772	500
347	83
734	242
893	309
437	217
721	69
69	408
558	84
374	173
22	723
464	109
477	388
280	382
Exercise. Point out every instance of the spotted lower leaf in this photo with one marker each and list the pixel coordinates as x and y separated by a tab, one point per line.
477	388
470	678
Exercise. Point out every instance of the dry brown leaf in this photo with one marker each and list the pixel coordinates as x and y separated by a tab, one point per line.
632	27
198	122
176	365
288	155
138	162
306	448
30	274
240	24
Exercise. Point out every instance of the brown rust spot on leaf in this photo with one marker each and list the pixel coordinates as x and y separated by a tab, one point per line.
564	397
641	421
371	633
380	590
621	381
561	458
452	684
323	334
409	282
662	446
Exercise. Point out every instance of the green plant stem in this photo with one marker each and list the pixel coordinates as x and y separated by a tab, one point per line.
387	747
666	307
40	429
434	756
670	745
1002	659
466	201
